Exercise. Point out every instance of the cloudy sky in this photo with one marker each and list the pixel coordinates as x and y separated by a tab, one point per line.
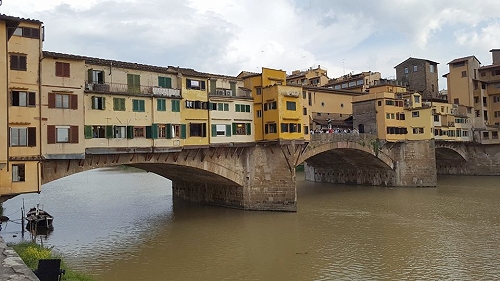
227	36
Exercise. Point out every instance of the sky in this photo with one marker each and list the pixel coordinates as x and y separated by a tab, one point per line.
228	36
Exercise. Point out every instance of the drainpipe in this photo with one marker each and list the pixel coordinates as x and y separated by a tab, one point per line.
7	98
209	127
40	107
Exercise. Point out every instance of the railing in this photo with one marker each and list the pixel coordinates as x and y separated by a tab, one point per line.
228	93
129	89
342	137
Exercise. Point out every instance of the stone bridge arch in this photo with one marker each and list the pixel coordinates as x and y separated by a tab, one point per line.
348	158
451	158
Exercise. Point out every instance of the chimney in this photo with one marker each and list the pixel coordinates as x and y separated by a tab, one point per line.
495	54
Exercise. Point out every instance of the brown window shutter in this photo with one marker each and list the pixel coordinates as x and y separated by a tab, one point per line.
52	100
32	99
73	131
73	101
31	136
22	62
66	69
51	134
59	69
14	62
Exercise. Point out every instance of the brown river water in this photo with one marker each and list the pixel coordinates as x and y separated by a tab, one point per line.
123	224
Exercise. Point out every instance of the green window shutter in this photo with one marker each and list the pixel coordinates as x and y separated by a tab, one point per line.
142	105
210	106
213	86
233	88
109	131
90	75
102	75
168	82
284	127
115	104
183	131
137	84
154	131
130	132
149	132
226	107
161	82
134	105
220	107
237	108
176	106
234	128
249	128
103	103
130	83
93	102
87	131
228	130
214	130
168	129
158	103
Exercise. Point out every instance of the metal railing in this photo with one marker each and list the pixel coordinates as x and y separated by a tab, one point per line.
131	89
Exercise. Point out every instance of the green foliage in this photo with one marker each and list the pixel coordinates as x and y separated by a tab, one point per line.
31	252
376	146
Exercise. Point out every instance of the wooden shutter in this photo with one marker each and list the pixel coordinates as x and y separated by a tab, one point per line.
31	99
14	62
51	134
87	130
202	85
59	69
130	132
183	131
73	134
22	62
168	129
168	82
214	130
233	88
73	100
52	100
109	131
66	69
154	131
299	128
93	102
161	82
149	134
31	136
234	128
90	76
228	130
237	108
249	128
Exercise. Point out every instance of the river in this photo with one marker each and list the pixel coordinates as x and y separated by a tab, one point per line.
123	224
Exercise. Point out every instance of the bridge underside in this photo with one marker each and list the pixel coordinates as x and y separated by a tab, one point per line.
449	162
349	166
199	186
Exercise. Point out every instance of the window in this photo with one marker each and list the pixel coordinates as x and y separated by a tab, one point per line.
304	110
221	130
62	101
417	99
456	101
242	128
196	104
161	105
379	103
98	132
259	113
165	82
98	103
23	98
118	104
62	69
486	135
139	132
495	72
415	114
258	90
138	105
18	172
197	129
270	128
18	62
476	99
304	94
133	83
95	76
176	131
291	105
418	131
176	106
406	70
284	127
459	64
436	118
494	135
432	68
464	73
483	73
415	68
242	107
496	99
62	133
120	132
195	84
22	136
28	32
270	106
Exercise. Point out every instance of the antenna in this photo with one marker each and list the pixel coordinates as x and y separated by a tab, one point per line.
343	66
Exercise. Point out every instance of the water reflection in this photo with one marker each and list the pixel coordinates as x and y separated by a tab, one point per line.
122	224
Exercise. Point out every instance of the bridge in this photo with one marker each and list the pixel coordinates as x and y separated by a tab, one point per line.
261	175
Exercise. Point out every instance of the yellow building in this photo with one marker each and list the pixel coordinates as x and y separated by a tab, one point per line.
62	106
359	82
20	57
311	77
393	114
231	110
278	107
451	122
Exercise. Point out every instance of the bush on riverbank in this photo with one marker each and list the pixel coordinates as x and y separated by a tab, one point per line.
31	252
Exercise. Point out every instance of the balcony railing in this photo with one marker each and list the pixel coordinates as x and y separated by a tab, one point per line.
229	93
131	89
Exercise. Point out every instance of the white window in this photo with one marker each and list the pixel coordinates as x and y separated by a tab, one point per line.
62	101
431	68
62	133
120	132
18	136
415	114
221	130
18	172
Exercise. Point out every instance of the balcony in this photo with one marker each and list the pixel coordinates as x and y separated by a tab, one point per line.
117	88
240	93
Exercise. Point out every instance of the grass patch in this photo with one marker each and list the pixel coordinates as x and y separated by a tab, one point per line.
31	252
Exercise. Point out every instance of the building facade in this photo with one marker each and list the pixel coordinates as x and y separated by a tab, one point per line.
419	75
359	82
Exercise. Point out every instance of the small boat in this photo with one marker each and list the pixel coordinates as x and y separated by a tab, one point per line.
38	219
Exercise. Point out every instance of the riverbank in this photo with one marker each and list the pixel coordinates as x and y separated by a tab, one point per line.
30	253
12	266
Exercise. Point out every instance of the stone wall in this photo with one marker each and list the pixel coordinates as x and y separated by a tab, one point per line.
364	113
415	162
482	160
